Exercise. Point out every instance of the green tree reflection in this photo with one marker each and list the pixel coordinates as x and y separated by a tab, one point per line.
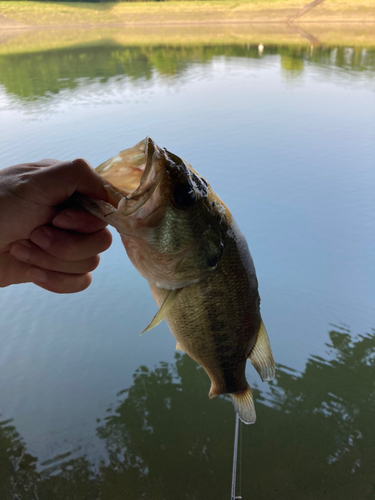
175	450
32	76
314	437
18	477
292	60
323	438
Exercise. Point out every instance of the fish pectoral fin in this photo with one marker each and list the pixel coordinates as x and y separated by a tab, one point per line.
261	356
164	309
178	347
243	403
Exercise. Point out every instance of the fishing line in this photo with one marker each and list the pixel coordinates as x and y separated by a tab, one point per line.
240	464
235	459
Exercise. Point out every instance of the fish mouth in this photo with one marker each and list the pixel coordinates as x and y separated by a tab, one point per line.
132	175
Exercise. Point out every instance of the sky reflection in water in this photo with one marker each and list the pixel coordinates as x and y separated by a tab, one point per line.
286	138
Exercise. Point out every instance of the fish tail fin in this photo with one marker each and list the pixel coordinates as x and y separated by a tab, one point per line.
261	356
243	403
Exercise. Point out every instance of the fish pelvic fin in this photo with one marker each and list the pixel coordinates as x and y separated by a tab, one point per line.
179	347
261	356
164	309
243	403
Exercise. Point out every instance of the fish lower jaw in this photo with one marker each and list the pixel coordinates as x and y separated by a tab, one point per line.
166	286
172	286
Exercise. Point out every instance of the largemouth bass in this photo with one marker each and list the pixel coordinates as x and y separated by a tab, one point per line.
183	239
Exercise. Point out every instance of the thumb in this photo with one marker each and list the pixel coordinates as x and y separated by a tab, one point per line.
57	182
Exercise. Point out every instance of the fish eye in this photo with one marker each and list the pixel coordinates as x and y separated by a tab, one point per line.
183	196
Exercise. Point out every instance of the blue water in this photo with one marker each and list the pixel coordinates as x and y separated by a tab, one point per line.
291	152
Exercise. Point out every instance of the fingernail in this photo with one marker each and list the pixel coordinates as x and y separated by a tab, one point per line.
65	220
42	237
21	251
37	275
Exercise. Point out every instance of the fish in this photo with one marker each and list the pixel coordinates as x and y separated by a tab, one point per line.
184	241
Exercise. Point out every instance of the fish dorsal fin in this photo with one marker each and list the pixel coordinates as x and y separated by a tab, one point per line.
179	347
261	356
164	309
243	403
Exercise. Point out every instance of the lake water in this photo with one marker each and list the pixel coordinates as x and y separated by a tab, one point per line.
285	134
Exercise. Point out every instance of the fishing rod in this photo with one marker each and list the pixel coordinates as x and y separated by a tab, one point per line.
235	459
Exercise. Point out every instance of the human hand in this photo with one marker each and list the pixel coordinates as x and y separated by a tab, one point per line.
41	240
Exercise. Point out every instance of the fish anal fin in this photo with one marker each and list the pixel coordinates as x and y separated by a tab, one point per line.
243	403
213	391
261	356
164	309
179	347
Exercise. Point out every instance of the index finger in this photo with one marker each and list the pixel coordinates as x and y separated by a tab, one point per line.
78	219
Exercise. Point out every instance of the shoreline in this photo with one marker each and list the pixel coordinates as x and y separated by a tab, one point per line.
314	35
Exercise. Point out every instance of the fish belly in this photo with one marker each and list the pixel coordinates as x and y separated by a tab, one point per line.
216	323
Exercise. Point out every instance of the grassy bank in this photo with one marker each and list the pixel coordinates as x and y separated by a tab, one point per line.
33	41
37	14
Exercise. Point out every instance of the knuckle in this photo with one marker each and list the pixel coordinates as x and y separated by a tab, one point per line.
66	252
93	263
105	239
81	163
64	247
67	283
82	282
84	266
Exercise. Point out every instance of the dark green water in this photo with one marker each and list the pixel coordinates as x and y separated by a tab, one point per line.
312	438
285	135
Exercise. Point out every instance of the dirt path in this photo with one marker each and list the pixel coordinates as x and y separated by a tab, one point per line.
305	9
27	15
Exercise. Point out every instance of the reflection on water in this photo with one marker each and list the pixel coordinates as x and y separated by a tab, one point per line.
314	437
42	74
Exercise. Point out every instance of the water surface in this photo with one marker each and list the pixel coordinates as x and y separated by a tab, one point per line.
285	135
